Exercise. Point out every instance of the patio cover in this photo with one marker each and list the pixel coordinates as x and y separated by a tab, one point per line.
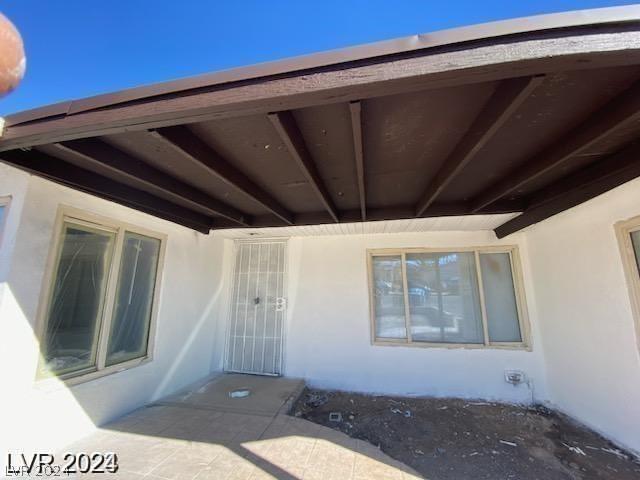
533	116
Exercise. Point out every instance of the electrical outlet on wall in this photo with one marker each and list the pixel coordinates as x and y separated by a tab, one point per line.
514	377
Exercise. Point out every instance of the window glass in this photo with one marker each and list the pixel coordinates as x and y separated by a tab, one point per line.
499	298
2	209
96	317
134	297
389	297
444	296
635	240
77	300
444	301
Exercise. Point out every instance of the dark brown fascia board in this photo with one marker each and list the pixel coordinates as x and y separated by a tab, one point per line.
355	111
195	149
59	109
576	189
506	99
51	168
285	125
620	111
97	152
413	43
537	54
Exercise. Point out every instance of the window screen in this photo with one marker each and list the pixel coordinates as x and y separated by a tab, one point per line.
500	298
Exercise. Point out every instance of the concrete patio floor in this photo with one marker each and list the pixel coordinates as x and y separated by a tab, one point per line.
187	437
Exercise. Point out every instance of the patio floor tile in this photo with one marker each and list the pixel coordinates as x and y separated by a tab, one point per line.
187	441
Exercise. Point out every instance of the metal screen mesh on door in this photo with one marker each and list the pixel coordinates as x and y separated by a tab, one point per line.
257	309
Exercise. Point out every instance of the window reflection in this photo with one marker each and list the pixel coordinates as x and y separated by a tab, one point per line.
77	300
389	297
444	302
500	298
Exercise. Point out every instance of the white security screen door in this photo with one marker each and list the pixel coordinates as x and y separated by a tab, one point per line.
254	343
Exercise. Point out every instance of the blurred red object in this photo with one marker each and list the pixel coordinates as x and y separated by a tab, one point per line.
12	60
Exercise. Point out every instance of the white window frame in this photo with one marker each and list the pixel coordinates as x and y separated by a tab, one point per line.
76	216
518	283
624	229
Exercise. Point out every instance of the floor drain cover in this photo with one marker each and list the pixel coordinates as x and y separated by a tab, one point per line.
240	393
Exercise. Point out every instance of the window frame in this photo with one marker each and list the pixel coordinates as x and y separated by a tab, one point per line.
65	215
623	230
518	283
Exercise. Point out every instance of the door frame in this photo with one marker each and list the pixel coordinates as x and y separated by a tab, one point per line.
231	290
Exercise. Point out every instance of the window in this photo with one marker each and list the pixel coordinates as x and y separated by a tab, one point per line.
628	233
466	297
100	305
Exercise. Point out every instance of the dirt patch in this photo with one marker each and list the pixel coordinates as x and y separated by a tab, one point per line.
458	439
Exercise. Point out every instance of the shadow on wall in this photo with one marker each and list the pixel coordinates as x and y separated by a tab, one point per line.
169	376
22	407
47	404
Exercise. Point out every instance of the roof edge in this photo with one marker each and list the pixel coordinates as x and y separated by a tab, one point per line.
501	28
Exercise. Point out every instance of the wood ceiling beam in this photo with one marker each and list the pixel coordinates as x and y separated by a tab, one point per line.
97	152
194	148
621	111
290	134
355	110
431	69
64	173
577	188
504	101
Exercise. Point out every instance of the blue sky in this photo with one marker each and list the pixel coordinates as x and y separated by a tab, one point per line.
77	48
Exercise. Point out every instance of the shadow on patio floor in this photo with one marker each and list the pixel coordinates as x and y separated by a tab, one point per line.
184	438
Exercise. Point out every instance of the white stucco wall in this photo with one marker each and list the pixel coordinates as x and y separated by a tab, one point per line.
584	358
584	311
46	417
328	338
